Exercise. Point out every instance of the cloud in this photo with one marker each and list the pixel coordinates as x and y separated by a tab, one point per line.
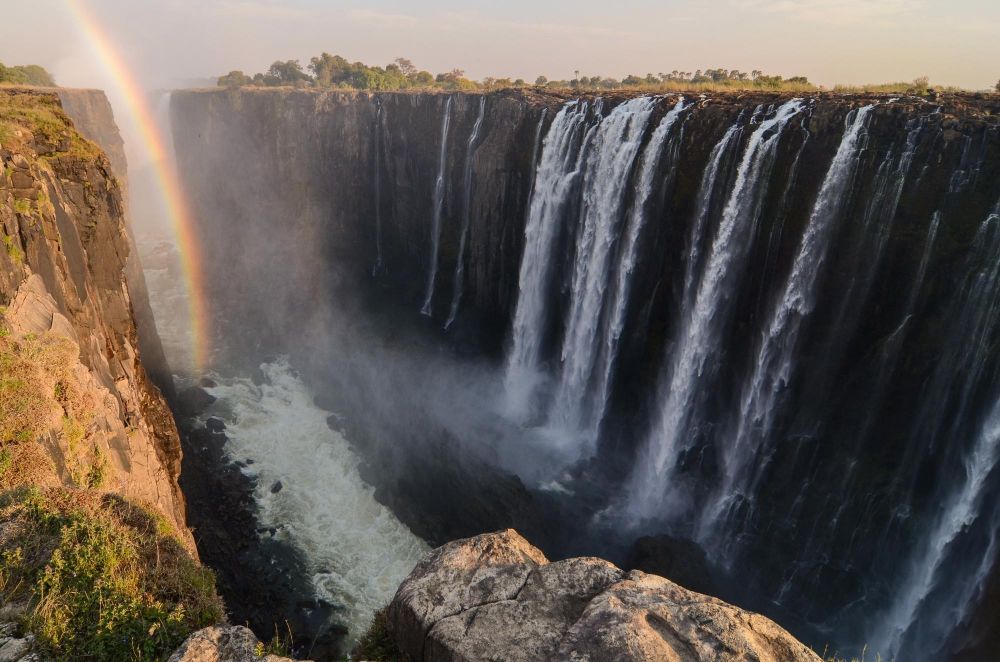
257	9
384	19
834	11
474	21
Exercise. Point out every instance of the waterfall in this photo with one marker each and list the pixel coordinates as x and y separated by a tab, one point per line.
439	188
701	323
706	195
622	281
605	179
977	316
558	169
456	297
379	265
775	360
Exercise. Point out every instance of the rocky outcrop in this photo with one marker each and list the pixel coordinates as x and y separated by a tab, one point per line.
223	644
496	597
68	316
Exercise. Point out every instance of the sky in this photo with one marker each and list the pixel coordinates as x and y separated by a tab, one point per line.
171	43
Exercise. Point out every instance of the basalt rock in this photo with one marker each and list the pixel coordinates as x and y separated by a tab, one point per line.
63	287
496	597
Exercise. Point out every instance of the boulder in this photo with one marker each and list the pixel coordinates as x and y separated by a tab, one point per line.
496	597
223	644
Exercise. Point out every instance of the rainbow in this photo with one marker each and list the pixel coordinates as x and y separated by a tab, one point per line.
152	140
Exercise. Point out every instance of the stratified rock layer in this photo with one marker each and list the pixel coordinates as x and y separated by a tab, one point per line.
496	597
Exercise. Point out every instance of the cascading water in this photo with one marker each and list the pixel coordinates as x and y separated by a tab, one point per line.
702	323
558	170
439	189
470	151
605	177
775	361
378	266
787	313
978	315
627	261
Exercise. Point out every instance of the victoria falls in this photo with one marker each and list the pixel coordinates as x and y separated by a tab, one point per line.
390	365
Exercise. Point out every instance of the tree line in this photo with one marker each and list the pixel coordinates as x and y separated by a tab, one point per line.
335	72
28	74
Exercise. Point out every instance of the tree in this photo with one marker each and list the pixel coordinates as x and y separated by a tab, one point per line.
542	81
30	74
405	66
288	72
234	79
998	87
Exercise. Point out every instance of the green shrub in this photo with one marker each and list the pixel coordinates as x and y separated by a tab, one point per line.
377	644
102	581
14	251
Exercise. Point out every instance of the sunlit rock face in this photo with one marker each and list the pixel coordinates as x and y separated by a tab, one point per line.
69	321
768	328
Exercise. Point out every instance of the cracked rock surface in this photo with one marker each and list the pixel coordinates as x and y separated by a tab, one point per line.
496	597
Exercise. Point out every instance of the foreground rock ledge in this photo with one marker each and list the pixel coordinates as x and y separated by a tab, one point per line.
496	597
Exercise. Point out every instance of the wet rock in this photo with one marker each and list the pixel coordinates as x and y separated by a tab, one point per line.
682	561
215	424
193	400
496	597
276	487
207	382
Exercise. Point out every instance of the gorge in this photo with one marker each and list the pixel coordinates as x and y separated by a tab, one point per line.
746	341
750	334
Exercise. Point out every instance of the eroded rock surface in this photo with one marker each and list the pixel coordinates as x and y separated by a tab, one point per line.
223	644
496	597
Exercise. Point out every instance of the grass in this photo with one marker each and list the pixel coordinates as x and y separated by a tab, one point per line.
14	251
376	644
103	578
22	206
40	395
42	115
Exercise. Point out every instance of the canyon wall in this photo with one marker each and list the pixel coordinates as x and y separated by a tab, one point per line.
93	118
767	325
71	343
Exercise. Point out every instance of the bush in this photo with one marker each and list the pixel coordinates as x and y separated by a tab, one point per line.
104	579
377	644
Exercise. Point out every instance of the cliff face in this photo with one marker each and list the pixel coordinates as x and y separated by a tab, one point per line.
93	118
80	392
773	322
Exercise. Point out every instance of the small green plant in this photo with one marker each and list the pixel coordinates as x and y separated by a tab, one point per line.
97	474
6	460
14	251
377	644
22	206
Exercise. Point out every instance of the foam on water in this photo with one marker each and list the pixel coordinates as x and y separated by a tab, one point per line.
356	549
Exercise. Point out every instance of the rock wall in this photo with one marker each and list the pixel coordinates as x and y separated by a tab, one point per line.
94	119
69	317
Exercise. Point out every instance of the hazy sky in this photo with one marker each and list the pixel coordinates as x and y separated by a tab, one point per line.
830	41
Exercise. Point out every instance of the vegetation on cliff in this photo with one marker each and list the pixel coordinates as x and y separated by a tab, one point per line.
28	74
333	71
98	577
43	118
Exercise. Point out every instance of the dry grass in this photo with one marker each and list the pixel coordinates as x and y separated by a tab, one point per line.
40	394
